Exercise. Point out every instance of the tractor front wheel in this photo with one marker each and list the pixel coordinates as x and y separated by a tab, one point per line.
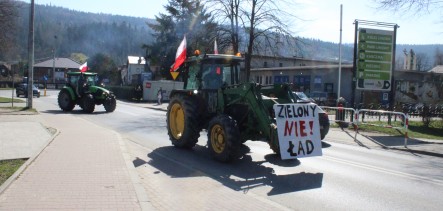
110	104
64	100
224	138
88	103
182	121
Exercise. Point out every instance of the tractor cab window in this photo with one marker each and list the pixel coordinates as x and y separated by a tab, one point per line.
73	80
192	77
90	80
231	73
212	76
216	75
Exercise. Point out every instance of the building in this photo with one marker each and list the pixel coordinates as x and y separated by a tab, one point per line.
54	69
409	86
258	61
135	66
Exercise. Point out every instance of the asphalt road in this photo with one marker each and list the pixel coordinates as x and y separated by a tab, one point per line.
345	177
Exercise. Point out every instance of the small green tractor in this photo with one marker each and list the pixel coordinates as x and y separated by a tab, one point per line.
217	98
81	90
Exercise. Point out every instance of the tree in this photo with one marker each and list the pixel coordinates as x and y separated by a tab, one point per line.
185	18
8	26
79	57
105	67
227	12
438	57
423	62
261	20
415	6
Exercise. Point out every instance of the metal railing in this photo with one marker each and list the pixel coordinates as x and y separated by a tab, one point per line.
343	115
368	117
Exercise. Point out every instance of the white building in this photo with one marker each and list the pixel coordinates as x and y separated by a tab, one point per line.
134	67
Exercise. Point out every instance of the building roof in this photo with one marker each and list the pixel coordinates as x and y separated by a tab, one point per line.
135	60
59	63
437	69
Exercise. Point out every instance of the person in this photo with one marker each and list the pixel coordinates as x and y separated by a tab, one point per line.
80	84
138	92
159	96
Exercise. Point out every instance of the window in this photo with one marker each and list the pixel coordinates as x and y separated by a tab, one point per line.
280	65
265	64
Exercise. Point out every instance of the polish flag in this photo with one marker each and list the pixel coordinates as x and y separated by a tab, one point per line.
84	67
215	47
180	56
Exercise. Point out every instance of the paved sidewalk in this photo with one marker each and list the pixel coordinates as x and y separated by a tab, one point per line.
85	166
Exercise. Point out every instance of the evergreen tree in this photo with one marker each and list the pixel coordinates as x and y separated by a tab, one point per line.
185	18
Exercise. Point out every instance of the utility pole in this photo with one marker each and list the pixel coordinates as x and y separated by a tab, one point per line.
339	53
31	56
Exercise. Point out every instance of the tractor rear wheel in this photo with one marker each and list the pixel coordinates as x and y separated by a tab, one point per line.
110	103
182	121
224	138
64	100
88	103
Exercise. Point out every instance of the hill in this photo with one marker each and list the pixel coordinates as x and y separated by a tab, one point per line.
69	31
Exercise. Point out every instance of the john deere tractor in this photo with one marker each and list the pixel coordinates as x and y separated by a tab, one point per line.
216	98
81	90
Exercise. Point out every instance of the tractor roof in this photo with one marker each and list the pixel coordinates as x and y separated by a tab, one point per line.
207	57
85	73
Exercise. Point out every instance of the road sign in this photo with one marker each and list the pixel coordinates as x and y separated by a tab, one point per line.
174	75
374	60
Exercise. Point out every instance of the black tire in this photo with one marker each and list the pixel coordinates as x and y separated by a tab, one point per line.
110	104
224	138
64	100
88	103
182	121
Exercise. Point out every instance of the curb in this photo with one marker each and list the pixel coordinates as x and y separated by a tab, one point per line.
414	151
19	171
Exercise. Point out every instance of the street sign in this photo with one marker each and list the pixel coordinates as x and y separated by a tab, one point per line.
374	59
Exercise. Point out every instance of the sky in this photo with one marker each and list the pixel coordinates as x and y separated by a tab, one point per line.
318	19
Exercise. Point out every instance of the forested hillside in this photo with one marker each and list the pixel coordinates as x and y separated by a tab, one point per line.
68	31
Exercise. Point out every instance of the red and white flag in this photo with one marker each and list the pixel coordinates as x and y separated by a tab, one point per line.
180	56
215	47
83	67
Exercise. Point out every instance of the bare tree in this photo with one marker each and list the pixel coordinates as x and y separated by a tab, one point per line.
414	6
423	62
438	57
8	24
260	20
227	12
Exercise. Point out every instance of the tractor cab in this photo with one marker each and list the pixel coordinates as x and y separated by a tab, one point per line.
212	71
89	79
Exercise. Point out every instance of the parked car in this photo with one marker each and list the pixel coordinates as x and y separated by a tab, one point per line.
319	97
304	97
22	89
322	117
324	98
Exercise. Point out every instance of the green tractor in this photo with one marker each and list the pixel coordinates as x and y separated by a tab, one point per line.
81	90
217	98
